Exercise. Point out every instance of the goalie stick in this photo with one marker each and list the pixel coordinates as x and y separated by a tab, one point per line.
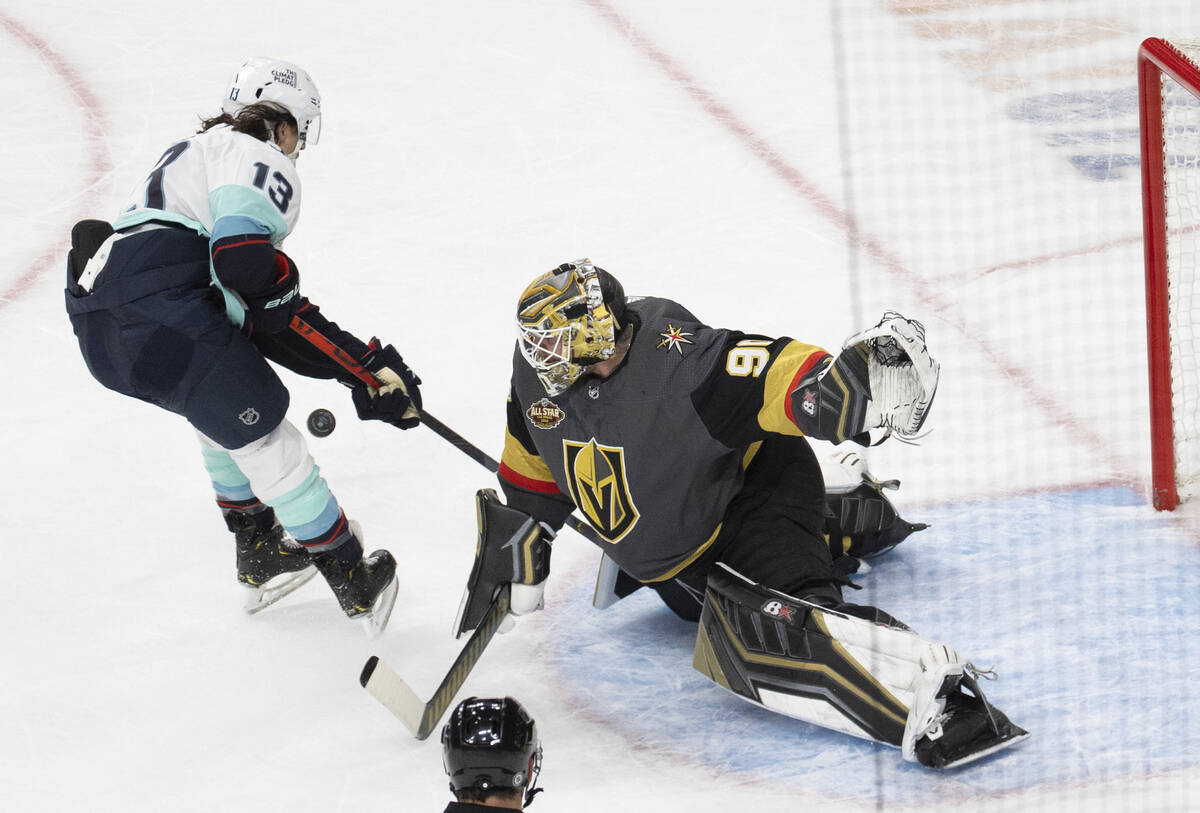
418	716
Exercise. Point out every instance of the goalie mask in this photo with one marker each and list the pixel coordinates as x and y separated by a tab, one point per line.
492	744
273	81
568	319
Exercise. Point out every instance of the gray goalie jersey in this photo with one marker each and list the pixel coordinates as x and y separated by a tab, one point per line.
652	455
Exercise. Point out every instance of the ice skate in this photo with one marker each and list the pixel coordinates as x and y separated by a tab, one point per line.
365	589
267	562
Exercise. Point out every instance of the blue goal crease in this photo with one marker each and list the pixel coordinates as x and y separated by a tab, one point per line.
1082	601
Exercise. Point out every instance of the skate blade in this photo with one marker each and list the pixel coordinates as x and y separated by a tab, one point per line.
375	621
991	749
265	595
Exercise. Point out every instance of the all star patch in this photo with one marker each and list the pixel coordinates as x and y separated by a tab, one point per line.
545	414
674	338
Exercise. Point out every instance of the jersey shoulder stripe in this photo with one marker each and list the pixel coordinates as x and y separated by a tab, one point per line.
525	469
247	203
790	365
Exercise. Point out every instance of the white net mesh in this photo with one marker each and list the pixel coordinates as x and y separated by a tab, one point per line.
1181	136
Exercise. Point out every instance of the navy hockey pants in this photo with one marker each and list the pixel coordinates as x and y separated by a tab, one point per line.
155	329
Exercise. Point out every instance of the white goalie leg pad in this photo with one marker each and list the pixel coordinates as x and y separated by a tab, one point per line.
902	374
909	666
870	677
937	663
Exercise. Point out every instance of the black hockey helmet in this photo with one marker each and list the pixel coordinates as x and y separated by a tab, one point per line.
488	744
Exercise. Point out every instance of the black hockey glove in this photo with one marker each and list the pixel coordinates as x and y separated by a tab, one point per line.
270	310
398	399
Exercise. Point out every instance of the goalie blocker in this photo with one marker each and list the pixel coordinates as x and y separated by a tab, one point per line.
853	669
511	548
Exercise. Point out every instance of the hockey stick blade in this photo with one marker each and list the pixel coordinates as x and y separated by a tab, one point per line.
420	717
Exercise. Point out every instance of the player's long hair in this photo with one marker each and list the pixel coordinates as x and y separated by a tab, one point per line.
258	120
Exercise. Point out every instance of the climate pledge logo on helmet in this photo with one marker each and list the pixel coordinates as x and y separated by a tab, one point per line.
285	76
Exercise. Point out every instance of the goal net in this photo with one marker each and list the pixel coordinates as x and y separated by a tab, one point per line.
1169	87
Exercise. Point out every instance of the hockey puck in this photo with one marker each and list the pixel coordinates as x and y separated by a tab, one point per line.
321	423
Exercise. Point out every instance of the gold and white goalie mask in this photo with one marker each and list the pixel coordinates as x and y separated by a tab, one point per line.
565	322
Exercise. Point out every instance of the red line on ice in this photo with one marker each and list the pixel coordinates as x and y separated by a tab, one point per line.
1025	389
98	163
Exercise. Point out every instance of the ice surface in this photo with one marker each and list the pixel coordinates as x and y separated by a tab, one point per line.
785	168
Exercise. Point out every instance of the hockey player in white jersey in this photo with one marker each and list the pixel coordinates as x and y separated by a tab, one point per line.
183	298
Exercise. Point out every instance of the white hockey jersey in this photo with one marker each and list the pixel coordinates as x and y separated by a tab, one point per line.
219	174
220	183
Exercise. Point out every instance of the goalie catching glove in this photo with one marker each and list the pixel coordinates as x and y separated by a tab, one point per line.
512	548
903	376
884	377
397	400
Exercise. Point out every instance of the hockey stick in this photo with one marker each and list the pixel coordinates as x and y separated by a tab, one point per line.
379	679
418	716
348	363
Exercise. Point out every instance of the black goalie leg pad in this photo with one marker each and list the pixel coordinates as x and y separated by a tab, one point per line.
862	522
850	668
511	547
778	651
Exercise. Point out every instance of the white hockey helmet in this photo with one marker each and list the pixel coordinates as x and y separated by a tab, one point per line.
262	79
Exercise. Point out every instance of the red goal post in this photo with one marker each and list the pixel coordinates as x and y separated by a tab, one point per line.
1169	101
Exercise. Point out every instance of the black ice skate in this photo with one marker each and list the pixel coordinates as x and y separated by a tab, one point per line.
267	562
968	728
365	589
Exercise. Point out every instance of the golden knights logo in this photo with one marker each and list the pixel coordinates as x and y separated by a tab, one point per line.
545	414
675	337
596	480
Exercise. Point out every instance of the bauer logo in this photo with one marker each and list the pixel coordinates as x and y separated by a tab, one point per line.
545	414
777	609
249	416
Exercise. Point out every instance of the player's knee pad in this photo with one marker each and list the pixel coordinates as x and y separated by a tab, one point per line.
869	677
277	464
